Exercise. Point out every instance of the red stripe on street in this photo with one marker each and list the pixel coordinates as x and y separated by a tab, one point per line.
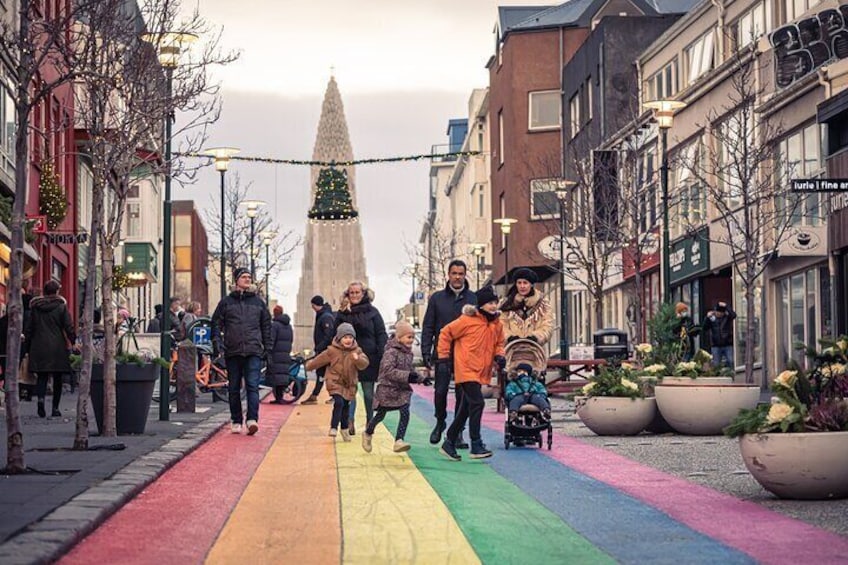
767	536
178	517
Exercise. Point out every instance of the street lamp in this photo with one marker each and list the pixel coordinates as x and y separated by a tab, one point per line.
563	192
664	113
506	227
169	46
267	238
222	162
478	249
414	268
252	210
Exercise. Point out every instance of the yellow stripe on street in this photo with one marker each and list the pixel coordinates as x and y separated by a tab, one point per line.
390	514
289	512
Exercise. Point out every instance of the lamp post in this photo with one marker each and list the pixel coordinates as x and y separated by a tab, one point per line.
169	46
414	301
664	113
563	193
478	249
252	210
267	238
506	228
222	162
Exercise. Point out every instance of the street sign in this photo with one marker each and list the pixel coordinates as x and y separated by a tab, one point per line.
201	332
819	185
419	296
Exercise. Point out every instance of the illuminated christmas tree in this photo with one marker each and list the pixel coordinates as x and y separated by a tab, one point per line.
332	197
51	196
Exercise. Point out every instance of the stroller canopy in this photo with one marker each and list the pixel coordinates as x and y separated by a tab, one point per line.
525	351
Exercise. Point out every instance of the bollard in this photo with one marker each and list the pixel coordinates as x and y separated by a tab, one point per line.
186	368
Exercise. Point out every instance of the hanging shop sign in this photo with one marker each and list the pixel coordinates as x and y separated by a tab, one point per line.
804	241
39	223
804	45
819	185
689	256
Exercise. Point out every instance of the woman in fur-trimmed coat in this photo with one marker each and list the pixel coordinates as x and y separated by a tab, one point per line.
525	313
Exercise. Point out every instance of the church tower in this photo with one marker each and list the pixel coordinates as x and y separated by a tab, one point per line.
333	252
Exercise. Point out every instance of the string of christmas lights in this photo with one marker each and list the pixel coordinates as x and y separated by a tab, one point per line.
370	161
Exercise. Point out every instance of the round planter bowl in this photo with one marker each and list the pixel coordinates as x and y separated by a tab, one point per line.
611	416
805	466
704	410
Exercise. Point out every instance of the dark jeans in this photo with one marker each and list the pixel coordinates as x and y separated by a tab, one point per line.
538	400
441	386
244	368
368	396
341	412
403	422
723	355
41	387
471	405
319	381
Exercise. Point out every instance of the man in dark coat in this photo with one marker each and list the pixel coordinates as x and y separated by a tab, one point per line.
282	339
444	307
719	326
48	337
242	318
322	337
154	326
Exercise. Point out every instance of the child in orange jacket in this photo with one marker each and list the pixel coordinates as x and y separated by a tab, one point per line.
477	340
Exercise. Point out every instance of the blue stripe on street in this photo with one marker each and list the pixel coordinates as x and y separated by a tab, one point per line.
628	530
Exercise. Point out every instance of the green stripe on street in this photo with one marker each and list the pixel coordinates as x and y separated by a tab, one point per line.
502	523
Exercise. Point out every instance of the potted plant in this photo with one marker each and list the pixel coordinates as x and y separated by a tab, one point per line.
797	446
614	402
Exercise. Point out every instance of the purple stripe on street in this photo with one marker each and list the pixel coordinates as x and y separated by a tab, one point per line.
767	536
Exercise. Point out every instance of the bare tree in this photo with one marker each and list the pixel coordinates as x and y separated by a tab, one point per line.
237	230
434	253
746	184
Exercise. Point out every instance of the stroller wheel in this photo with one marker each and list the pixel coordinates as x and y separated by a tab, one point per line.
507	440
550	438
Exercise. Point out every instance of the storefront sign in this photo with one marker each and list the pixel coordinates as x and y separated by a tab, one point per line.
819	185
689	256
645	253
804	45
69	238
39	223
804	241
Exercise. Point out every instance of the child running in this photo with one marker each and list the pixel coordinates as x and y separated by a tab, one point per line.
477	340
393	390
343	359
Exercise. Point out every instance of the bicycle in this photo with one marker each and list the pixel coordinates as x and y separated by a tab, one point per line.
211	376
295	383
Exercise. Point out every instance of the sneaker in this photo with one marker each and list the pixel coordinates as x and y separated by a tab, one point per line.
351	429
449	451
366	442
345	435
333	432
235	428
436	434
252	427
460	443
479	451
310	400
56	413
401	446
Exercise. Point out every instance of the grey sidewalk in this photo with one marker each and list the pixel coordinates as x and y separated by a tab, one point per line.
44	513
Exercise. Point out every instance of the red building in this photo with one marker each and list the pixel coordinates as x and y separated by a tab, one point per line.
190	255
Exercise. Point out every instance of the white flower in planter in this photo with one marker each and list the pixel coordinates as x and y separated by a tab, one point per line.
655	369
778	412
629	384
588	388
787	379
644	348
834	370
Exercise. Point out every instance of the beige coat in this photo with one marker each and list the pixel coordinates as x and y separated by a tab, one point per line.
342	374
530	316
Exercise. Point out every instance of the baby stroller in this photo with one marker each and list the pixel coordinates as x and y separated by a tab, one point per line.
526	425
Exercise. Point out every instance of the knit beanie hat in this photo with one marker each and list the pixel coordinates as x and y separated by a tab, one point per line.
278	310
403	328
485	295
239	272
681	307
526	274
526	367
345	329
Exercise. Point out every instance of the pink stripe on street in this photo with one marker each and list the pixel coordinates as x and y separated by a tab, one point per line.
183	511
765	535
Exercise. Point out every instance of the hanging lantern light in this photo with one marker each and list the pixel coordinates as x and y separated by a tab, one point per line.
332	197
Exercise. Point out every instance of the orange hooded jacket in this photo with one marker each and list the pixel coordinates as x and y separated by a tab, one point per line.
475	340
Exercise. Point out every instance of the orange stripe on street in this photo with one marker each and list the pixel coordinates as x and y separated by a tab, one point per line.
290	510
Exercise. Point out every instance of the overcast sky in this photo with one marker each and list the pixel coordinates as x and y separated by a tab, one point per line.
404	69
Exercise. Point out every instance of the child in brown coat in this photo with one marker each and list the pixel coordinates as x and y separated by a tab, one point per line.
343	359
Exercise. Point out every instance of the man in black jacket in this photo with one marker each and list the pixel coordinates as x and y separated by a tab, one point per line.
719	326
322	337
243	319
444	307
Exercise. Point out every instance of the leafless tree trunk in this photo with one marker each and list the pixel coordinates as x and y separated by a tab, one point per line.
441	248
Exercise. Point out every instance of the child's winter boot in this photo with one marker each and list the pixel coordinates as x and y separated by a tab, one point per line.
401	446
366	441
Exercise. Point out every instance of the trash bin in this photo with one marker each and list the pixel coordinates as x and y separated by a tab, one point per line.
611	343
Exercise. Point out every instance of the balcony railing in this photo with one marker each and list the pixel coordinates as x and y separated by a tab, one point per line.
442	149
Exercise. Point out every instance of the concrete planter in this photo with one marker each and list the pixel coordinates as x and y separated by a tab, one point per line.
612	416
703	409
696	381
803	466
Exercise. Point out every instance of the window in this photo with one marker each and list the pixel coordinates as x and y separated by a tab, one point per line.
700	56
132	191
500	137
800	157
647	189
803	313
796	8
741	309
587	89
663	84
481	200
133	219
574	113
544	202
751	25
690	207
7	123
737	171
545	110
182	230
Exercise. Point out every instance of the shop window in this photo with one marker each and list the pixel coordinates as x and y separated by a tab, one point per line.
804	313
741	309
